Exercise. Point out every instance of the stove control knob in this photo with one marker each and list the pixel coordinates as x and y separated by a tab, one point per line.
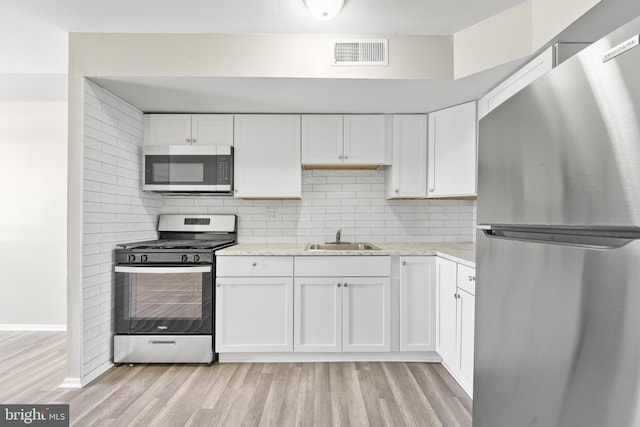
131	258
143	258
196	258
185	258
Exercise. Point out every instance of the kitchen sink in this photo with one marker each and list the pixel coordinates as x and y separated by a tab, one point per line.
341	247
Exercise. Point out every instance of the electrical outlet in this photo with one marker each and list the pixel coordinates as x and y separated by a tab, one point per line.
272	214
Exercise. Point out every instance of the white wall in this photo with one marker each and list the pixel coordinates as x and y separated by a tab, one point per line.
33	235
115	210
352	200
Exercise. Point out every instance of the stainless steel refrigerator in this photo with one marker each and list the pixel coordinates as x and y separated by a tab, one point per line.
558	264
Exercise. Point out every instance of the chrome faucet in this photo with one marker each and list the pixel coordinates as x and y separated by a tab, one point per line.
338	235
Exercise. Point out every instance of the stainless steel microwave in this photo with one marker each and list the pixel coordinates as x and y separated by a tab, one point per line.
187	168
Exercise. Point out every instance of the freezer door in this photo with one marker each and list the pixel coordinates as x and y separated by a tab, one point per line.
566	149
557	335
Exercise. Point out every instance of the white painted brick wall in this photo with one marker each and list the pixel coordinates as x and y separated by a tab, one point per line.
351	200
115	210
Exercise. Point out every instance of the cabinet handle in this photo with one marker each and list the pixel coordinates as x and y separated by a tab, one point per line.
455	296
404	262
187	140
472	279
397	190
431	190
341	157
339	284
193	140
346	157
217	285
253	264
346	284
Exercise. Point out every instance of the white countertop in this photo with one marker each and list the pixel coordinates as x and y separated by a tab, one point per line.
463	253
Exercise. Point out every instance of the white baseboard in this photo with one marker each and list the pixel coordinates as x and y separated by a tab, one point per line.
32	327
466	385
81	382
96	373
71	383
427	356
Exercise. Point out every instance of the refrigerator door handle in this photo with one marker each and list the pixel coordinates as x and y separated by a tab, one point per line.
591	239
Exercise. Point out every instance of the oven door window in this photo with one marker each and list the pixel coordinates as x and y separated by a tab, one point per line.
166	299
180	169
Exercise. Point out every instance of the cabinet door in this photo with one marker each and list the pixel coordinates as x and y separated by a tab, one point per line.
518	81
446	311
267	156
452	152
254	314
467	309
365	139
417	303
322	139
212	129
317	321
366	314
407	175
167	129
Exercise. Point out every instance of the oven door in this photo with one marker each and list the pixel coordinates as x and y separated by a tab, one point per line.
164	299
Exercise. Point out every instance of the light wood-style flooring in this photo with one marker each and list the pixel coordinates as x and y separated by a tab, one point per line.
32	366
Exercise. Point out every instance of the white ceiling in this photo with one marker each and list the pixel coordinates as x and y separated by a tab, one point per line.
33	39
33	33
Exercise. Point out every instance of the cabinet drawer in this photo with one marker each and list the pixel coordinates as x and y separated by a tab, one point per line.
254	266
343	266
467	278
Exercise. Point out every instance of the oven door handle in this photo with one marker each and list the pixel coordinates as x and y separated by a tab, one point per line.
163	270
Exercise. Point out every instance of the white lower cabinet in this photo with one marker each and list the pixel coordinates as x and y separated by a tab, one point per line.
254	314
455	295
467	304
366	311
254	304
317	314
417	303
348	314
446	309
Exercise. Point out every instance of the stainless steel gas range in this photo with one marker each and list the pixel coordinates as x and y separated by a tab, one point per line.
164	298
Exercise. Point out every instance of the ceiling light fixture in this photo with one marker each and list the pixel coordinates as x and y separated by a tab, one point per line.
324	10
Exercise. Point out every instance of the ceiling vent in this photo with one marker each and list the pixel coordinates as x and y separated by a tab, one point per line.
360	52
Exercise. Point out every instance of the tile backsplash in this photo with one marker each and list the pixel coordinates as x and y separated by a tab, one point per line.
115	210
351	200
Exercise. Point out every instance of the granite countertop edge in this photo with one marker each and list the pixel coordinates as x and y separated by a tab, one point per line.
463	253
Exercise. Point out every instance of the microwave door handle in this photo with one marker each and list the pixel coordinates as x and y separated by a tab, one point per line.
163	270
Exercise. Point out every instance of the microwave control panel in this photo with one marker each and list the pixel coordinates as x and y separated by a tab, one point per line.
224	170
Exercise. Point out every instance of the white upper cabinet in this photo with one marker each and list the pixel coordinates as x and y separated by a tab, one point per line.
330	140
407	175
267	156
514	84
322	139
365	139
188	129
214	129
452	147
